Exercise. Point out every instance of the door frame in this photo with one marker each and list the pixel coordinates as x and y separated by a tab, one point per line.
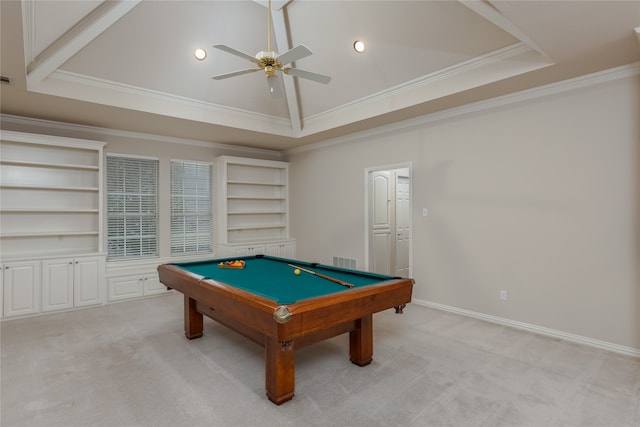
367	174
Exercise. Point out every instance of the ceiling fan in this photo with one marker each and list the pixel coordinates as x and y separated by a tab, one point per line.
271	61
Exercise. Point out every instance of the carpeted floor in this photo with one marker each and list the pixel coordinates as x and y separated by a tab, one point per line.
128	364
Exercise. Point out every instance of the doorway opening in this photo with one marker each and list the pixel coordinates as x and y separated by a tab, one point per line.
388	220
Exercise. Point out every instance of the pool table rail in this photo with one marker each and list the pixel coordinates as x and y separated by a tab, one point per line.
310	315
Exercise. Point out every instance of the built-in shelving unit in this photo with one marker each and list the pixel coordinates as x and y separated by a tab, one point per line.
253	202
50	195
50	223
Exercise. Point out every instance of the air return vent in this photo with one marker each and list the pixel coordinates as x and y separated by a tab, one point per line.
344	262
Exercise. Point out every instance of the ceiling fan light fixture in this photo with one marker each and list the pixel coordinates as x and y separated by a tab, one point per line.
271	61
200	54
358	46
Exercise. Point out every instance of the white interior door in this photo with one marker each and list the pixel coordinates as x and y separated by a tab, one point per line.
389	222
403	224
380	222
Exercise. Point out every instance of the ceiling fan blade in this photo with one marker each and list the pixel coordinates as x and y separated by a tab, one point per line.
307	75
235	73
275	87
294	54
235	52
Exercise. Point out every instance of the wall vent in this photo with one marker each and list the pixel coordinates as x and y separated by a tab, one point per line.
5	80
344	262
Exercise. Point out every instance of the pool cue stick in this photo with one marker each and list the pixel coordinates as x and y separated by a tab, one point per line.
333	279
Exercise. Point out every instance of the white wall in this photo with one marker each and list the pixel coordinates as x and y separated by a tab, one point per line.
538	197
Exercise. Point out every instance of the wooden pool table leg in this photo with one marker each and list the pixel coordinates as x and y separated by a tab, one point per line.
279	369
361	341
193	323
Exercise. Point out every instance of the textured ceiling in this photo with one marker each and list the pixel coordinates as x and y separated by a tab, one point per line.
129	64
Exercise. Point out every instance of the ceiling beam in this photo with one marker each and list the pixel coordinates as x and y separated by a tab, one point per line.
275	4
290	89
492	15
60	51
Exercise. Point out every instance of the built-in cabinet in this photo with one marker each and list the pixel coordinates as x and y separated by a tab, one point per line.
71	282
253	207
20	288
126	287
50	223
284	249
133	281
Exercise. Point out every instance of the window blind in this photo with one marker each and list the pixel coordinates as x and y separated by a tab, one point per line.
191	210
132	207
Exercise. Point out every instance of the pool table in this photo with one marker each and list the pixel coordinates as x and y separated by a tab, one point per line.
267	302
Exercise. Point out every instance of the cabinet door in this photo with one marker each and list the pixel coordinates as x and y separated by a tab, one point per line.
288	250
87	273
1	290
152	284
281	249
21	282
57	284
124	287
249	250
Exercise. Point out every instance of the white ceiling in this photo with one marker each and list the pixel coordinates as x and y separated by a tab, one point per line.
129	64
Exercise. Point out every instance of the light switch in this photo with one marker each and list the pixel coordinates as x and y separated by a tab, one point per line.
425	211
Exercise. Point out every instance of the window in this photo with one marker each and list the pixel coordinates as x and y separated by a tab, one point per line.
132	207
191	208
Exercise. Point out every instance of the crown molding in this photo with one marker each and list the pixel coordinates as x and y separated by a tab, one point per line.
508	61
49	125
93	89
621	72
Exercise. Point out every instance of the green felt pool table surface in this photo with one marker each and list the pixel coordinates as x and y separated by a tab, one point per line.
273	278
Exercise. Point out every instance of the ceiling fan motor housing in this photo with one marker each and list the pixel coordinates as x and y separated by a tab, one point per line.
267	60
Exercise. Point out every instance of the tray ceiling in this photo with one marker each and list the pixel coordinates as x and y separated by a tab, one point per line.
137	56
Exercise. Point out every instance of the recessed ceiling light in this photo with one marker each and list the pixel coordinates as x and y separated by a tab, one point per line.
358	46
200	54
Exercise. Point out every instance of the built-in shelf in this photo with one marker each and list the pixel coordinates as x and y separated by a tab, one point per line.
253	203
255	198
47	234
266	184
51	192
265	212
48	165
257	227
47	210
47	187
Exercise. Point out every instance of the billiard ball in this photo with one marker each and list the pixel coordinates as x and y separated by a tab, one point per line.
296	271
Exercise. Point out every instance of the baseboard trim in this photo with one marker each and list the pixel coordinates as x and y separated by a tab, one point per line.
604	345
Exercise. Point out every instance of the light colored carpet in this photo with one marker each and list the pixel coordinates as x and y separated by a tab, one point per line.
128	364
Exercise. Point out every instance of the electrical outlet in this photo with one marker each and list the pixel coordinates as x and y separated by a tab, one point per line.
503	295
